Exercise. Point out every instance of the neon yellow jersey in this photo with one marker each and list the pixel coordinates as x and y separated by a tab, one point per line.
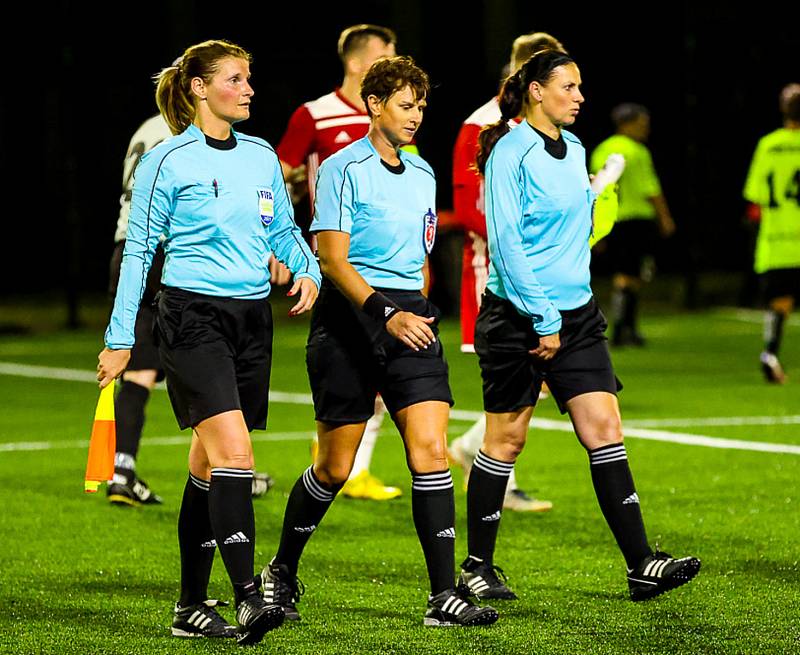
604	214
773	182
638	183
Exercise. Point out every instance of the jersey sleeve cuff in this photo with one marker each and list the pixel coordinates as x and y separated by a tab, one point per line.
315	278
549	324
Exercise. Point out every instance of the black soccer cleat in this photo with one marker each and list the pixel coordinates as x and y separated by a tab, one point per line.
480	579
256	618
282	588
132	492
450	607
201	620
660	572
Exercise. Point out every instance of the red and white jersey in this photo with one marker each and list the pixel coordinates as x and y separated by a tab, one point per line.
318	129
468	204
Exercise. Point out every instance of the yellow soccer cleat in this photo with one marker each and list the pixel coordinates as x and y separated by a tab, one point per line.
368	487
517	500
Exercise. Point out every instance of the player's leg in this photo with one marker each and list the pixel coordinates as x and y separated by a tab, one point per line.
195	614
423	427
309	500
596	419
130	403
506	433
780	305
361	483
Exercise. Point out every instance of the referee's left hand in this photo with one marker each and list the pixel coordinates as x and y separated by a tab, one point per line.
111	365
308	295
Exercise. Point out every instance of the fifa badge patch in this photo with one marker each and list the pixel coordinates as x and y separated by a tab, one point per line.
266	206
429	230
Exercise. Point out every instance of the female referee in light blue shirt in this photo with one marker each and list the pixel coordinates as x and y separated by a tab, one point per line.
539	322
220	200
373	331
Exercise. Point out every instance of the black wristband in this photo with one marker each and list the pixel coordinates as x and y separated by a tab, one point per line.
380	307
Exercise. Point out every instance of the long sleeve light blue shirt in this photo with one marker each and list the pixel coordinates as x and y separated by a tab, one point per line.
538	219
223	213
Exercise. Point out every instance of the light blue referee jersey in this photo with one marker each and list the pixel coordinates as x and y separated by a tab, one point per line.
387	214
539	218
223	212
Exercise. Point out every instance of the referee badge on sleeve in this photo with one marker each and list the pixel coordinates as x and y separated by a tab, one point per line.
266	206
429	230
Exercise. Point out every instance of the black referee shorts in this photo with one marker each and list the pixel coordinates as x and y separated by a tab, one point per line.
781	282
217	354
512	378
630	242
144	354
351	357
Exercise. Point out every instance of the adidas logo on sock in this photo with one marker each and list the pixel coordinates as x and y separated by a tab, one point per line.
450	533
211	543
492	517
630	500
237	538
310	528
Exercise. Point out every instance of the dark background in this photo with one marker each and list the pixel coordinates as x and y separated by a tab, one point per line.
78	85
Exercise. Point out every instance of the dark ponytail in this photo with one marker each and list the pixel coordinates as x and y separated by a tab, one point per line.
513	96
511	100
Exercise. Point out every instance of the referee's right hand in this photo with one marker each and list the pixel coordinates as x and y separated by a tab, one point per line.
112	364
411	329
548	346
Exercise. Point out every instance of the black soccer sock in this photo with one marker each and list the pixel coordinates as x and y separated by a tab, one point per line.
631	309
129	406
773	331
308	502
619	502
486	489
434	510
196	540
619	300
230	507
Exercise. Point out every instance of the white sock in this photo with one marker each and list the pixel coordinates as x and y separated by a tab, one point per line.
512	482
364	453
472	439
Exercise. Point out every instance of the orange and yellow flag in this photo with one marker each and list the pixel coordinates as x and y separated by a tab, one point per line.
103	443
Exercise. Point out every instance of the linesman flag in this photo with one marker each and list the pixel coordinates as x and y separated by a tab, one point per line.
103	443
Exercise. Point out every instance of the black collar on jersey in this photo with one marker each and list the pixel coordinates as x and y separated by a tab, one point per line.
397	169
556	148
219	144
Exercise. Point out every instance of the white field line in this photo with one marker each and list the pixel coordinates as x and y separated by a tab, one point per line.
632	429
751	315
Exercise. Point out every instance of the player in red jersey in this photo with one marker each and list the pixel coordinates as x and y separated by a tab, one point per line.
469	210
316	130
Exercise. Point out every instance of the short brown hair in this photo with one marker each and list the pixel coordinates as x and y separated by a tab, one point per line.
173	84
355	36
390	74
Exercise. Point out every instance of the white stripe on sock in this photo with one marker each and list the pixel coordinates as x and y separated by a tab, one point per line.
314	489
231	473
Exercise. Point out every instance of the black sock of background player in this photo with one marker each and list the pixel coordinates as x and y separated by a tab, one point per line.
434	511
618	311
486	490
619	502
631	310
773	331
230	507
308	502
196	540
129	406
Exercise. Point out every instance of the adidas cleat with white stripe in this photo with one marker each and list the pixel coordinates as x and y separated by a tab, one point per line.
450	608
659	573
481	580
256	618
201	620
